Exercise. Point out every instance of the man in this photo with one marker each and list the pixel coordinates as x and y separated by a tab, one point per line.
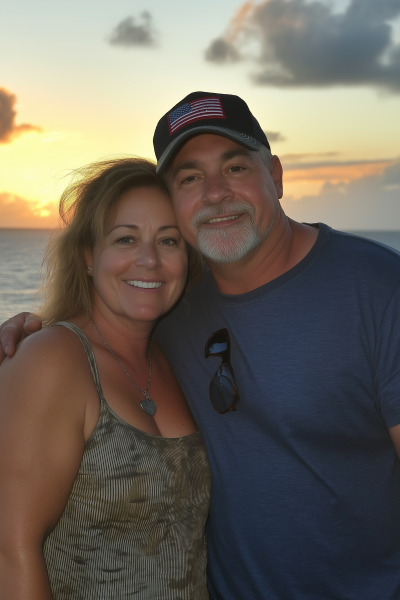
288	353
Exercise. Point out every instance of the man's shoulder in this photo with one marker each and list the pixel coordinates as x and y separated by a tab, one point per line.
356	254
363	244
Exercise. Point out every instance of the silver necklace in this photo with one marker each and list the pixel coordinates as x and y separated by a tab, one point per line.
148	405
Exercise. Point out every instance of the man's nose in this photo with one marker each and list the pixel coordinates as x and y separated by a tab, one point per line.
216	190
147	256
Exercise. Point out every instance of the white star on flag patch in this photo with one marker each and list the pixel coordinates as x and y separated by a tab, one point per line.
204	108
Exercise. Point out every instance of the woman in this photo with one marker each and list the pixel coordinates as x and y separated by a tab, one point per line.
104	480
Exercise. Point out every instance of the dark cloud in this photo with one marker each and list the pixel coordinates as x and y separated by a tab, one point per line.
302	43
274	136
134	32
8	129
370	202
221	51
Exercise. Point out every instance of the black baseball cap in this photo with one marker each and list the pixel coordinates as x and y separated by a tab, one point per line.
203	112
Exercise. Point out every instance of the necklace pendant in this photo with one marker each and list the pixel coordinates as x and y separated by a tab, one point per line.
149	406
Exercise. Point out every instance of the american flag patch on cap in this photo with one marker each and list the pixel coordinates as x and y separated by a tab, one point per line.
204	108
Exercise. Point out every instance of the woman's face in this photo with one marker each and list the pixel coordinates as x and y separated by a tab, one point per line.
139	269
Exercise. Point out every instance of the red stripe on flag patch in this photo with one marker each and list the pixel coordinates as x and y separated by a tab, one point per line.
203	108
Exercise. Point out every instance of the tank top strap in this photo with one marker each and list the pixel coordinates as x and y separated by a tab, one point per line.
89	352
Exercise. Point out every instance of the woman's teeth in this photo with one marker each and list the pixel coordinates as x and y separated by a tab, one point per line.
217	219
145	284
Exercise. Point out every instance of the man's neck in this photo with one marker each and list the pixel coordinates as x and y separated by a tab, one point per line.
286	245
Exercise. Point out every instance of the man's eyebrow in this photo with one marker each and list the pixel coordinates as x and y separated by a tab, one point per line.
229	154
190	164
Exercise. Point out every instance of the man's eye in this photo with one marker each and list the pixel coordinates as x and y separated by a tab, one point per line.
189	179
235	169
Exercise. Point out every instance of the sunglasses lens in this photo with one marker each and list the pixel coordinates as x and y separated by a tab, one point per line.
217	347
222	389
218	342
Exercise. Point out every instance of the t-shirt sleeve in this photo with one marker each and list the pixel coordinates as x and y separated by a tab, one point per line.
387	362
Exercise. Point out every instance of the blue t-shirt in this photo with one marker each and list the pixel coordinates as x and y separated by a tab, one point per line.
305	493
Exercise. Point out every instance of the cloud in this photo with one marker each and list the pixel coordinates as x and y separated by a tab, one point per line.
16	211
221	51
274	137
370	202
306	174
317	156
8	129
301	43
131	32
296	162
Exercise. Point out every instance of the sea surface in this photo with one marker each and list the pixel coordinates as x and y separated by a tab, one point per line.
21	255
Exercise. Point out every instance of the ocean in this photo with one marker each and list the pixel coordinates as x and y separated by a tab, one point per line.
21	255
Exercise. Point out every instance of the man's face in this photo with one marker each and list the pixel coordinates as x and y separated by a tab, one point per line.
225	198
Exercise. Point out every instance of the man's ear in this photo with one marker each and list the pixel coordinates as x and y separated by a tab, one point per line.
276	172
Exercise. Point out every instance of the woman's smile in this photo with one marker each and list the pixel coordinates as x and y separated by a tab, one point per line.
147	285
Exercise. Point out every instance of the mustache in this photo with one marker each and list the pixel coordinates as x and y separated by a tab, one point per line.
221	210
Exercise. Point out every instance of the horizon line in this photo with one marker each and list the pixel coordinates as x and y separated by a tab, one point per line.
54	229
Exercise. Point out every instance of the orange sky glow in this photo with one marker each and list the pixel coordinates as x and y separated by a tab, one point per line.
75	93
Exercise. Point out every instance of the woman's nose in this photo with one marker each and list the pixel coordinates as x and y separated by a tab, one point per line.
147	256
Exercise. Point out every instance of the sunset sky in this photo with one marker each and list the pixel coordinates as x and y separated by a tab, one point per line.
81	81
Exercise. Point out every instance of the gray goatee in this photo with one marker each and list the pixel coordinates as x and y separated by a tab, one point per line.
228	244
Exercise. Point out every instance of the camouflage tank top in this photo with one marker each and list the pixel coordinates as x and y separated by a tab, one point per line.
134	522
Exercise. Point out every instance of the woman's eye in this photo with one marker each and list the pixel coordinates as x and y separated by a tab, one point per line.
169	242
125	240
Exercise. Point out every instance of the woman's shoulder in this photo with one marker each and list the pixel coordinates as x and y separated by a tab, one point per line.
47	377
51	340
55	351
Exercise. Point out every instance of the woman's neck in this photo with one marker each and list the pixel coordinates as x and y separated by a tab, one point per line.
124	336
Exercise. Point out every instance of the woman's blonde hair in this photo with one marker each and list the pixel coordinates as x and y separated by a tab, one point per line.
86	206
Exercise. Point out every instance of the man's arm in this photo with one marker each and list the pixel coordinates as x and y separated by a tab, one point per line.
14	331
41	445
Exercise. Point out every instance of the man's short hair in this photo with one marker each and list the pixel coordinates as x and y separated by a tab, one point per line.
266	155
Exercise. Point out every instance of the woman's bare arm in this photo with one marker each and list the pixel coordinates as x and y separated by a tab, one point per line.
41	444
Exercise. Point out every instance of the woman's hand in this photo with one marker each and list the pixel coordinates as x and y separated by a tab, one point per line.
14	330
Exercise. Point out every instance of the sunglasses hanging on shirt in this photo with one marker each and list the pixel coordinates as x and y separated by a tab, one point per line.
223	391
